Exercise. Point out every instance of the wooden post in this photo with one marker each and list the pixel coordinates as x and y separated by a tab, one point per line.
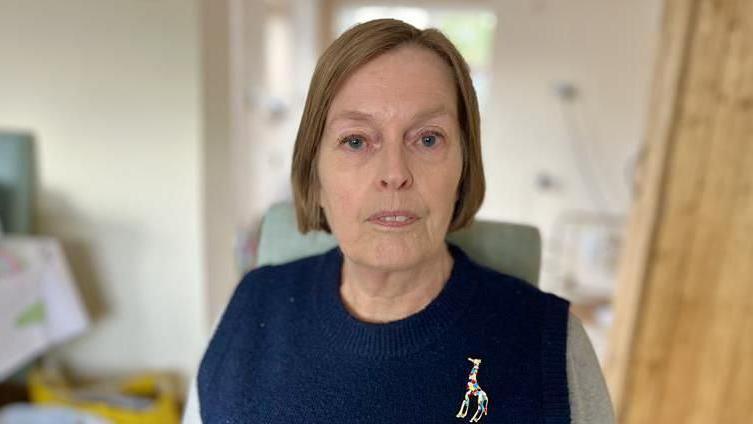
682	343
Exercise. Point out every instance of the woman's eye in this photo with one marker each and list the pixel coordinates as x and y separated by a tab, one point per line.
353	142
429	140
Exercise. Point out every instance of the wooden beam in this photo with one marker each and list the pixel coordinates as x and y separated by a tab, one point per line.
669	64
683	339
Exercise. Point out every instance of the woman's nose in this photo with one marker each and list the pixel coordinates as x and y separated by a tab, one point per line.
394	172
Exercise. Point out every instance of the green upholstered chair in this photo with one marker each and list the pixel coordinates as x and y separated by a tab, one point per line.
509	248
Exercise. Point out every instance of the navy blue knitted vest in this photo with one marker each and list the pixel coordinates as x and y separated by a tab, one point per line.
287	351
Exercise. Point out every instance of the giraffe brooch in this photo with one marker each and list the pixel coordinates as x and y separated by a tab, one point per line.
473	389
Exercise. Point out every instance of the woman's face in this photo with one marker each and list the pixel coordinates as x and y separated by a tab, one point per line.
391	146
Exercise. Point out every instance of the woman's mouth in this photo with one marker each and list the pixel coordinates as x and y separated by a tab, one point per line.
393	218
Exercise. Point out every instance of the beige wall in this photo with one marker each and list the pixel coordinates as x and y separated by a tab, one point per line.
605	49
111	91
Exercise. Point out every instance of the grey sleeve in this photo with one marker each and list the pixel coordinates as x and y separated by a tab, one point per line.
191	413
589	397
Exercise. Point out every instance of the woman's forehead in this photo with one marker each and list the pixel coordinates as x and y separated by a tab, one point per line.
408	81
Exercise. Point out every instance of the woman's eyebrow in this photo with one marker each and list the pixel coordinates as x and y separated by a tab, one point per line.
352	115
433	113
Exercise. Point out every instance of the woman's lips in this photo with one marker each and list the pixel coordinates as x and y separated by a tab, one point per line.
393	218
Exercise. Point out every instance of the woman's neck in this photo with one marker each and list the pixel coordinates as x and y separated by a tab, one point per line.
378	296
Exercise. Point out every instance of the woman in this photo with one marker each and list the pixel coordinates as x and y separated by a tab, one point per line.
395	324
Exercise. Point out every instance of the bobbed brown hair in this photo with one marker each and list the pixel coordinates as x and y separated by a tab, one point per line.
350	51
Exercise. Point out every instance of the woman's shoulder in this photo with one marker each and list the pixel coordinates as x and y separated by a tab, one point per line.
269	279
265	297
501	296
500	285
270	289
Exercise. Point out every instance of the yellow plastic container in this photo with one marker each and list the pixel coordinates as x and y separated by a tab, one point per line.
140	399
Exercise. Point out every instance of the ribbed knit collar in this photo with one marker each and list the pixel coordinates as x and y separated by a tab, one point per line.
346	333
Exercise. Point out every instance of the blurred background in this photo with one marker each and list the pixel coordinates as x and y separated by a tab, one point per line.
158	132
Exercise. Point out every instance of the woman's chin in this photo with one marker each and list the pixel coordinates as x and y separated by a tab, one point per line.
391	254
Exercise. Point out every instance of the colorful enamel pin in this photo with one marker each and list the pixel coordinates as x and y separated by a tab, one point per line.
473	389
